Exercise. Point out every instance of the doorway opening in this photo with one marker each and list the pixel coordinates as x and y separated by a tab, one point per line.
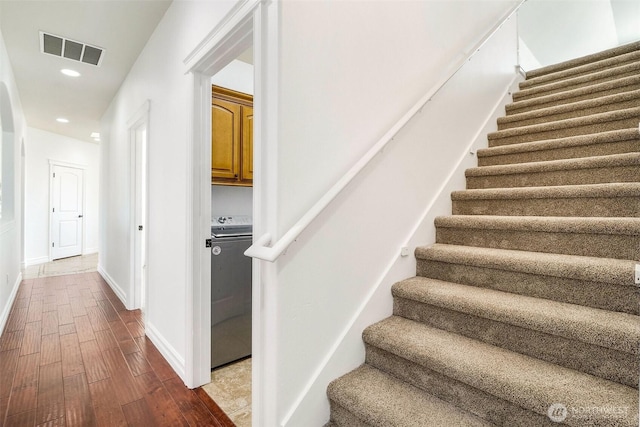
138	139
231	233
245	26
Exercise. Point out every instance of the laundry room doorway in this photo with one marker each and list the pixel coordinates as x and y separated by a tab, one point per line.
251	23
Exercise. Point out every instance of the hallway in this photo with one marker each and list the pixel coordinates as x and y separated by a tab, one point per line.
72	355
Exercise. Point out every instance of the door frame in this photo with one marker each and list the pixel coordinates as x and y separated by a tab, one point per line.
53	163
139	120
250	21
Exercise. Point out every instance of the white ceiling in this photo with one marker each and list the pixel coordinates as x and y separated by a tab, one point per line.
558	30
122	28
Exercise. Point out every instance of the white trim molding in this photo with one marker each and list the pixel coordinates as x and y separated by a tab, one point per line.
227	40
4	317
113	285
220	46
168	352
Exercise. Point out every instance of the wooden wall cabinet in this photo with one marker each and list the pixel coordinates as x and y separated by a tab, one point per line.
231	137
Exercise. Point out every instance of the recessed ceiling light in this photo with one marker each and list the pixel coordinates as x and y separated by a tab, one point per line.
62	120
70	73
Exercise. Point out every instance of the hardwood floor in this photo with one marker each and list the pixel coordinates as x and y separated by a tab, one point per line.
72	355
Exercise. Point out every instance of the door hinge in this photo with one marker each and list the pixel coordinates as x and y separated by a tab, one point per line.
54	174
207	243
54	209
53	245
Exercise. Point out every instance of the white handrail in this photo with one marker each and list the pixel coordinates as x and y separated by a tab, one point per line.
259	248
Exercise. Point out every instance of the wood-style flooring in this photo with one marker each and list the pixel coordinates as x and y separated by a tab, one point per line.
71	354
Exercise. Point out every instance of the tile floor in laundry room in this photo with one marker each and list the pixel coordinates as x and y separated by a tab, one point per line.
230	386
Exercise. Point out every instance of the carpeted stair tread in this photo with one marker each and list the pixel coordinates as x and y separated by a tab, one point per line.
591	200
588	69
600	122
594	269
527	382
562	148
379	399
587	80
618	331
507	320
625	84
585	236
587	59
528	299
618	189
609	161
575	109
586	225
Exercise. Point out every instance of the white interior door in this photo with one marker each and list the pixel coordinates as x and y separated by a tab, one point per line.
66	211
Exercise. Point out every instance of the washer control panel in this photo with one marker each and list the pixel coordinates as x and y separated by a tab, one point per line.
233	220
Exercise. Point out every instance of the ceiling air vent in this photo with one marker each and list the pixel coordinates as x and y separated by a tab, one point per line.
70	49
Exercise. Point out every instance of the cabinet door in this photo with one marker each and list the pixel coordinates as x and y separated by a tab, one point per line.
247	144
225	140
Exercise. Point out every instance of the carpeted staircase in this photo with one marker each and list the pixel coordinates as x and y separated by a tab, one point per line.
525	311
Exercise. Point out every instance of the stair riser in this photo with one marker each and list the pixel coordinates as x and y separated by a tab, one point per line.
593	150
588	293
599	175
592	359
512	122
517	108
580	207
343	418
543	89
482	404
580	129
596	245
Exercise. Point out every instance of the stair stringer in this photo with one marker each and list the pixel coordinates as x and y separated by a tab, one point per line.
348	350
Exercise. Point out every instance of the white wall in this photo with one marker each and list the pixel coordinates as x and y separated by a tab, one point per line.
229	200
11	253
553	31
349	71
158	76
237	75
42	147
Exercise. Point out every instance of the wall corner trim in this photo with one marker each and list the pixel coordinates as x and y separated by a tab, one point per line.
113	285
6	310
168	352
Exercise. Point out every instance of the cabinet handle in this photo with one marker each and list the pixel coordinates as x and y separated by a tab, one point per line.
235	176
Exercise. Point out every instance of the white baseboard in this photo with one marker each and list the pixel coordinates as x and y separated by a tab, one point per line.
7	308
90	251
114	286
35	261
170	354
